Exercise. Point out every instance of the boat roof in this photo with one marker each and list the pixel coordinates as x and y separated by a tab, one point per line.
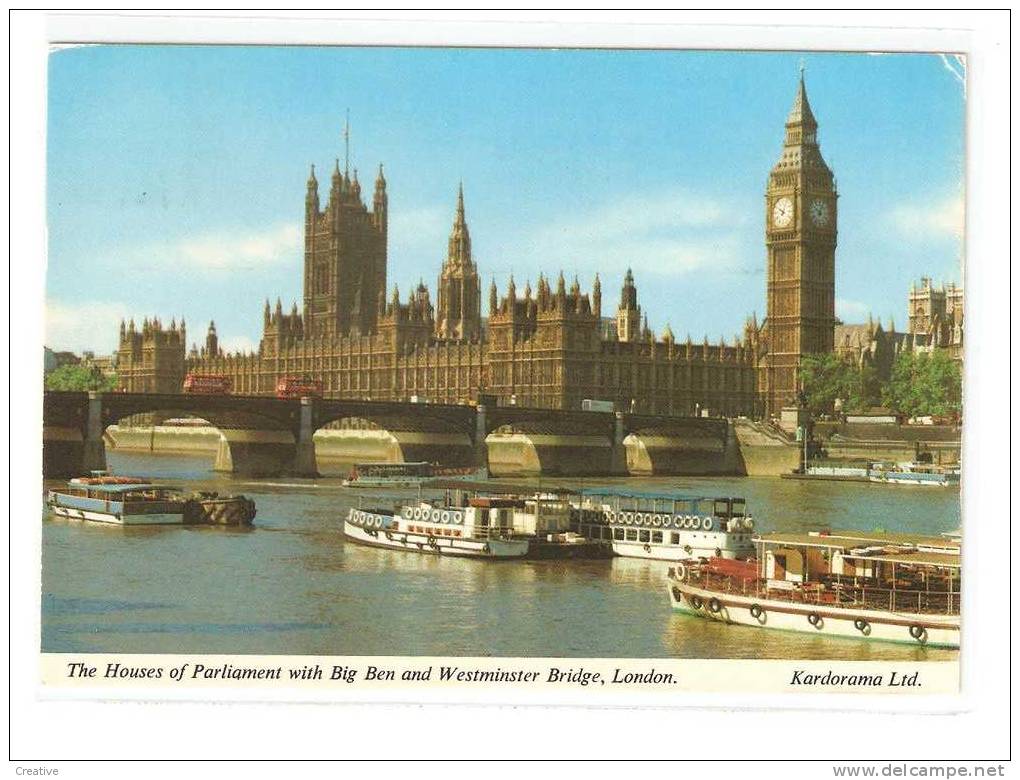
122	488
623	492
391	463
850	539
499	488
921	557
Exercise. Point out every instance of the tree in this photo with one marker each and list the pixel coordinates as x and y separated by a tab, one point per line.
923	384
825	377
80	377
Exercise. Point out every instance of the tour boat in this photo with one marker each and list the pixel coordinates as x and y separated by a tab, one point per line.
119	500
388	475
907	473
914	474
661	526
480	530
887	587
478	519
404	475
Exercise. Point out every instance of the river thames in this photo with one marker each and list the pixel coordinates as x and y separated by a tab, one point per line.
291	584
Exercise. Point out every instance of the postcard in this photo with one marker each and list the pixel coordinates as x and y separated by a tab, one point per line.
616	376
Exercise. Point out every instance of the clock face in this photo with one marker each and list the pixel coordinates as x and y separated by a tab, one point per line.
819	212
782	212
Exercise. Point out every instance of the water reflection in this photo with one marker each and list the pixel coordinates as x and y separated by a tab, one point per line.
292	585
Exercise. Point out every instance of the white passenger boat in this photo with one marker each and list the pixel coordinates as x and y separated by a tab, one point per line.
481	530
665	526
405	475
119	500
924	474
388	475
879	586
905	473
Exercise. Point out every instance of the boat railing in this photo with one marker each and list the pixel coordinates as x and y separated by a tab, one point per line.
838	594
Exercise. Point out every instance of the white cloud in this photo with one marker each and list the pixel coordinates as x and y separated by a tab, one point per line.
82	325
236	250
667	234
216	252
851	311
239	344
933	220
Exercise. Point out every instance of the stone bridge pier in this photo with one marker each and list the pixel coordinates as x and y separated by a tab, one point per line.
268	452
73	437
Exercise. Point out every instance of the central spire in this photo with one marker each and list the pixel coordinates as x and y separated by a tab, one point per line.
459	251
800	113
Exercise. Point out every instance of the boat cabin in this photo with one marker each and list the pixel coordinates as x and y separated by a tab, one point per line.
391	470
897	569
120	494
504	508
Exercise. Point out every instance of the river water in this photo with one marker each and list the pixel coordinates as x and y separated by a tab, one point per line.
292	585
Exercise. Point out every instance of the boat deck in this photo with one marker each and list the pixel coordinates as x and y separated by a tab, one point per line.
831	592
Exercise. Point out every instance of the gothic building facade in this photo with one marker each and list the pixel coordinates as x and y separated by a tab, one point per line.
547	347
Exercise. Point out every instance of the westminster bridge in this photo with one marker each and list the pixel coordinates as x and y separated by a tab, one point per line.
268	436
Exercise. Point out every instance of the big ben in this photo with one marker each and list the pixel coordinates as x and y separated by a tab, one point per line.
800	238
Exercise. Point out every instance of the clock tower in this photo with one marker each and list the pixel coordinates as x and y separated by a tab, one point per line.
800	240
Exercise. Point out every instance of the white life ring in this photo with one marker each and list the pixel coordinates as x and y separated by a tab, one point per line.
408	513
446	516
610	517
681	572
626	518
657	521
667	521
706	523
416	513
436	515
640	519
458	518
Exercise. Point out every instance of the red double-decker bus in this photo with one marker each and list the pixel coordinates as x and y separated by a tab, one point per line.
298	387
208	384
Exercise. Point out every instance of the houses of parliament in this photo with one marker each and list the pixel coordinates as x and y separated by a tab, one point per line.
549	346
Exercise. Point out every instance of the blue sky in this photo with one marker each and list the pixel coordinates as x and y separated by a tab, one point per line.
176	174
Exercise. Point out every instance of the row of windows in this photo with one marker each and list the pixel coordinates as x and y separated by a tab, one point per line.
645	536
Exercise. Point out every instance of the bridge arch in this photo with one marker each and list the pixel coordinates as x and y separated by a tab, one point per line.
254	440
373	431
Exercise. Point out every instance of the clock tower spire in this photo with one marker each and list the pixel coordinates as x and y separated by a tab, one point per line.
800	241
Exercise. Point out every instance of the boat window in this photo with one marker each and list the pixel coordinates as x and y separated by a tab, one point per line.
674	538
657	536
631	535
721	508
618	534
643	536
